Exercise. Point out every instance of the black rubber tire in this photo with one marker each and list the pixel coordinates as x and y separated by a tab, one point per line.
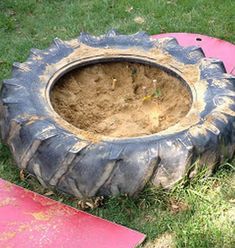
61	156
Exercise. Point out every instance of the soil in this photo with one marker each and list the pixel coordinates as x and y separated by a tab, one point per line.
165	240
120	99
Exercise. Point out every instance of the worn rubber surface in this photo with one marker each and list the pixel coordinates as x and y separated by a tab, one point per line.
74	161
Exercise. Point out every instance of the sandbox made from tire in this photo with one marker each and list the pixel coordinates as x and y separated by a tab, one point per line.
120	99
101	116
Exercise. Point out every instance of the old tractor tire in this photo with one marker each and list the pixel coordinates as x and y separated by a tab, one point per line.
62	156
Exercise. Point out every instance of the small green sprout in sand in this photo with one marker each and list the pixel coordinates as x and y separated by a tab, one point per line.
157	92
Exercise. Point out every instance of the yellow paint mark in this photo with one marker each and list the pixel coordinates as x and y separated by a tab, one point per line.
146	98
41	216
7	235
7	201
50	212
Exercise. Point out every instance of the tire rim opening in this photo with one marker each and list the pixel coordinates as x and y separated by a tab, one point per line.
120	99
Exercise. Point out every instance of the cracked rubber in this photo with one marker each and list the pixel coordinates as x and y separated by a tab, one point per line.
62	156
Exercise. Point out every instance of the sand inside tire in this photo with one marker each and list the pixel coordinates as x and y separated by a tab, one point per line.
120	99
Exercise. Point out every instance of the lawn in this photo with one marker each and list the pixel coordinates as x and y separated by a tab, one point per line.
196	214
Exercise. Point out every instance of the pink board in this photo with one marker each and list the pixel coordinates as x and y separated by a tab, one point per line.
28	220
212	47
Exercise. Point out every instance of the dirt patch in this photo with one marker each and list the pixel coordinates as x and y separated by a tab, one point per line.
165	240
120	99
177	206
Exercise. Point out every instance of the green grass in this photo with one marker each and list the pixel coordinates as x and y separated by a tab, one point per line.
201	214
